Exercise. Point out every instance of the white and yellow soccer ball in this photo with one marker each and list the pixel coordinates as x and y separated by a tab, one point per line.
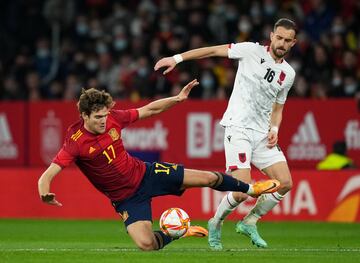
174	222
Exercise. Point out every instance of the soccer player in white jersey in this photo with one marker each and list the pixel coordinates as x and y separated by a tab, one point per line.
251	120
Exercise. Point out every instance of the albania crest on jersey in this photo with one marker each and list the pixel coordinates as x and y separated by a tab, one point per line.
281	78
242	157
114	134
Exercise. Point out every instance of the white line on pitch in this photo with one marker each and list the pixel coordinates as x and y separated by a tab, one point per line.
343	250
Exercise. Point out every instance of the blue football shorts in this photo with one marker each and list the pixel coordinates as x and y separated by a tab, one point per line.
159	179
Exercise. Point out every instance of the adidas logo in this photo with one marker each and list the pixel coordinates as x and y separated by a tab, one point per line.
91	149
8	149
305	143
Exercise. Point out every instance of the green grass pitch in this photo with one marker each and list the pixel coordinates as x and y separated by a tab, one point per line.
107	241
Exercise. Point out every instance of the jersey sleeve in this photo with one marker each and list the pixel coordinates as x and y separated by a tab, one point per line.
241	50
125	117
282	95
67	154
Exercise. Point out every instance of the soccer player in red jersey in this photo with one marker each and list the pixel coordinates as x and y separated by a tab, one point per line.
94	143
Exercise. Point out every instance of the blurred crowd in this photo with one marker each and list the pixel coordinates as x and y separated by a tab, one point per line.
51	49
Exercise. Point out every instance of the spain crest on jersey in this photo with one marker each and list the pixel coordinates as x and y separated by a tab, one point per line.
114	134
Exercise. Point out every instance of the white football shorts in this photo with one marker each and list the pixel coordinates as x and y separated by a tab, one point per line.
244	146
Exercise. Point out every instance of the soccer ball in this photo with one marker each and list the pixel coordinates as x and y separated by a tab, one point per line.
174	222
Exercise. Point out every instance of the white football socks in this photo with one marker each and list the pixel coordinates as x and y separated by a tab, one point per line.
264	204
226	206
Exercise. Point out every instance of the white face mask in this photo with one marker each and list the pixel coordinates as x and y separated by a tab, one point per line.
207	81
255	10
96	33
350	88
142	72
244	26
120	44
101	48
92	65
82	29
336	82
42	52
164	26
337	29
269	9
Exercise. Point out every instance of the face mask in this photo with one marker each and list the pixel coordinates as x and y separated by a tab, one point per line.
42	53
336	82
269	9
337	29
101	48
255	11
96	33
244	26
207	81
220	9
82	29
350	88
142	72
92	65
119	14
120	44
164	26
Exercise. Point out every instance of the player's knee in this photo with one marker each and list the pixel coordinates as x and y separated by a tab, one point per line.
210	179
285	186
146	244
239	197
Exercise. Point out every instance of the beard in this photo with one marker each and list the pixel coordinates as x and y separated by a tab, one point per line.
276	53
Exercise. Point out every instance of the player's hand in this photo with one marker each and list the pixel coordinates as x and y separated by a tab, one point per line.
50	199
272	139
168	62
184	93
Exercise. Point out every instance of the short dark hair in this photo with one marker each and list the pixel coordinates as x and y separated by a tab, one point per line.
286	23
92	100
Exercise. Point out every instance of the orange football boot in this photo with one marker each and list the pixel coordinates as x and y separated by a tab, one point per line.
196	231
264	187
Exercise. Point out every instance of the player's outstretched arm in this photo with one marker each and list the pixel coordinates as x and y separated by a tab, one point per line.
44	185
169	63
161	105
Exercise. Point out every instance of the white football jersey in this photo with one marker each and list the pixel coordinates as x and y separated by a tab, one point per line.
259	83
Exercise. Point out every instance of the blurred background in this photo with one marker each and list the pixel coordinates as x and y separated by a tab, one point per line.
50	49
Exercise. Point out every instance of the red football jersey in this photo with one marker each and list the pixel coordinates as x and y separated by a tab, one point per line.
103	158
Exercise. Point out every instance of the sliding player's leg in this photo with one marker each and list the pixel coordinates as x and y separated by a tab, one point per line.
228	204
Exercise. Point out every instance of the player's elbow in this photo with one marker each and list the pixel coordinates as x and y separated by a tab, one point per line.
41	181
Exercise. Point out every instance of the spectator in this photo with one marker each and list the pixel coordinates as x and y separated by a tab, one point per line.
12	90
337	159
327	56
